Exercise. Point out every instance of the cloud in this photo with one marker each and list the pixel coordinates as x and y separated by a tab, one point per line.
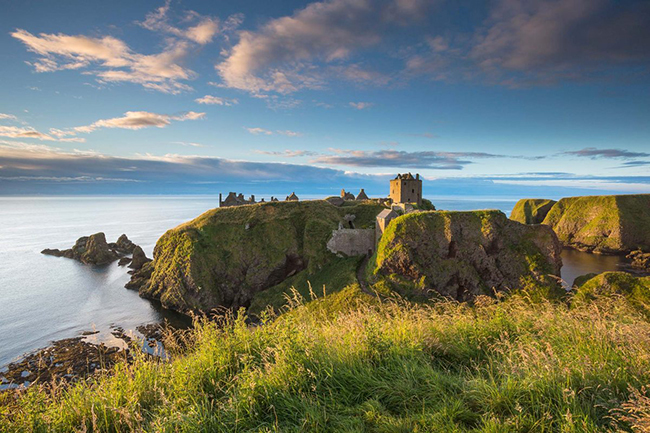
593	153
563	39
202	33
290	133
29	132
216	100
288	153
4	116
361	105
629	164
185	143
140	120
259	131
32	168
280	56
396	159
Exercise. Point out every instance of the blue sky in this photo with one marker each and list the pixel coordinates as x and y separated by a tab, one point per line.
503	97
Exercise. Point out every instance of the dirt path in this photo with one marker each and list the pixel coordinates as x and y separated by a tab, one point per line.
361	275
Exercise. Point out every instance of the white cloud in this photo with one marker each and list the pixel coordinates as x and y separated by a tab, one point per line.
361	105
279	57
29	132
288	153
139	120
216	100
258	131
4	116
290	133
201	33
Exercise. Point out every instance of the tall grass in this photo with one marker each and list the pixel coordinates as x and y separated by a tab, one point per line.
346	364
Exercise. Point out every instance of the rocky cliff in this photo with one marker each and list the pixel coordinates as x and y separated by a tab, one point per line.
531	210
464	254
612	224
227	255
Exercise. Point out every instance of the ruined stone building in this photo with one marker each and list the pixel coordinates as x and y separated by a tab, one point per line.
362	195
382	221
292	197
406	189
234	199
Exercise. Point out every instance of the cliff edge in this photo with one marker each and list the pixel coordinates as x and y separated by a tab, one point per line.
531	210
464	254
227	255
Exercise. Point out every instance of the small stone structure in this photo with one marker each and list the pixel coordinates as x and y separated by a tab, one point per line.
234	199
362	195
346	195
292	197
406	189
352	242
382	221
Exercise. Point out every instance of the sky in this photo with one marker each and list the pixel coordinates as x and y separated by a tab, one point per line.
541	98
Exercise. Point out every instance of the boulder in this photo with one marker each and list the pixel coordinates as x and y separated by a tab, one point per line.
123	245
464	254
139	258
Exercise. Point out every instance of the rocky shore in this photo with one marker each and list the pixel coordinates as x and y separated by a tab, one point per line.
94	250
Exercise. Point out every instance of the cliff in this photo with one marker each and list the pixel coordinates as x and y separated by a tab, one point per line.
464	254
227	255
531	210
614	284
611	224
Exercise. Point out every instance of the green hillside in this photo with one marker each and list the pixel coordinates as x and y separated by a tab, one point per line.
531	210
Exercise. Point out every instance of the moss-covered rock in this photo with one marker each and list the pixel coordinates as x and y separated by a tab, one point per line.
611	224
227	255
464	254
607	284
531	210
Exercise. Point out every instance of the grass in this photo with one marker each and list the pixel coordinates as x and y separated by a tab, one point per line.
352	363
531	210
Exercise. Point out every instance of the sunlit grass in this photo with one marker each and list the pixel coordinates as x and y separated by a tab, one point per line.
352	363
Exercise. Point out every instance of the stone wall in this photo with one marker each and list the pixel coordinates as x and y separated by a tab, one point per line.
352	242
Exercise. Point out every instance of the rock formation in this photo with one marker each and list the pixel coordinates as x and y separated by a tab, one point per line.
464	254
531	210
635	289
214	261
611	224
139	258
640	260
94	250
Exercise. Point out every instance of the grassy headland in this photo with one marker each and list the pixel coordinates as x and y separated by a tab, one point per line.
350	362
531	210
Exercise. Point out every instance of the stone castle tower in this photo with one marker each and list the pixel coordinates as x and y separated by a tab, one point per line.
406	189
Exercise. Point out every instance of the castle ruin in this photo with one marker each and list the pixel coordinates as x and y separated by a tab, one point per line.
406	189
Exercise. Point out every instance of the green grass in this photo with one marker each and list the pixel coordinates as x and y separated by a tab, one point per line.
531	210
351	363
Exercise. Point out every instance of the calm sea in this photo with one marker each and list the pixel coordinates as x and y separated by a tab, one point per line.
45	298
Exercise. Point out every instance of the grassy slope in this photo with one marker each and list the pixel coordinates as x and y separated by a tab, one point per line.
225	256
531	210
419	242
350	363
603	223
612	284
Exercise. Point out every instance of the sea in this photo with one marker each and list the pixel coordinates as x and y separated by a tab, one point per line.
45	298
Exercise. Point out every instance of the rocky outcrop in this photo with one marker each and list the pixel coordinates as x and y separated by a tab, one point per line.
227	255
640	260
139	258
94	250
531	210
611	224
464	254
614	284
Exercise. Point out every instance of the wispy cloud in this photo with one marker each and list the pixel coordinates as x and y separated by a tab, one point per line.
288	153
593	153
202	32
139	120
425	135
361	105
262	131
29	132
4	116
189	144
216	100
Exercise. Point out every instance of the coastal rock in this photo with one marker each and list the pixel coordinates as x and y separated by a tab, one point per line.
139	258
610	224
94	250
124	261
140	277
464	254
531	210
215	262
640	260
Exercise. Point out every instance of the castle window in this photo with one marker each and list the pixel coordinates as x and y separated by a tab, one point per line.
413	191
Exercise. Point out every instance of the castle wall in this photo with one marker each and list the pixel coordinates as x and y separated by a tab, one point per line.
352	242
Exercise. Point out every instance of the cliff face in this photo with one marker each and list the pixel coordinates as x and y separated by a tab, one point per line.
464	254
531	210
602	224
227	255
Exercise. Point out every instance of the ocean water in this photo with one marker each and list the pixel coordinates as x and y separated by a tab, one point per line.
45	298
